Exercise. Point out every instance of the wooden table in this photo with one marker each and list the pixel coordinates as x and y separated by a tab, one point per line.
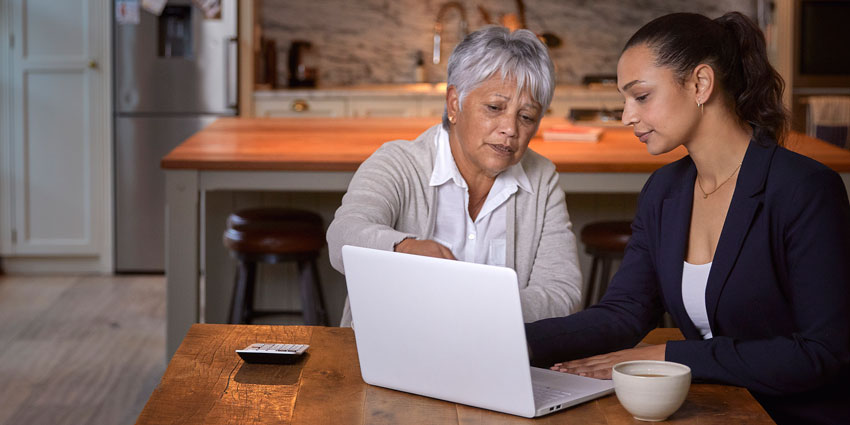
320	154
207	383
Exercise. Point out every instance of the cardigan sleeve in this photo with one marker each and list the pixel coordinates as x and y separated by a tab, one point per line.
816	233
370	207
554	285
629	310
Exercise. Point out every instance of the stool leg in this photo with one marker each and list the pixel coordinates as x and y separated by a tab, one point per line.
237	299
591	284
605	278
666	321
320	299
308	298
250	284
243	291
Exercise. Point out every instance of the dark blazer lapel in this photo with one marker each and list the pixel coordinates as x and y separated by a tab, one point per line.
675	225
742	210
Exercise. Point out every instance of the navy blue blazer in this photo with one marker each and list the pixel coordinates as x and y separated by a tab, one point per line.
778	293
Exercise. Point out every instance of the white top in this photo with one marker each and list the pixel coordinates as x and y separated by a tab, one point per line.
481	241
694	281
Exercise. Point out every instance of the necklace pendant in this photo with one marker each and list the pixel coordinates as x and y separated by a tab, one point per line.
704	196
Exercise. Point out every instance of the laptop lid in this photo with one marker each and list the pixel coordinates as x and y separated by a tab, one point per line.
445	329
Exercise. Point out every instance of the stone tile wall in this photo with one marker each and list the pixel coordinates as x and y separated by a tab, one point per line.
376	41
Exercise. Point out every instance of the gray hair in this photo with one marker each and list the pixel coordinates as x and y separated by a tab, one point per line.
493	49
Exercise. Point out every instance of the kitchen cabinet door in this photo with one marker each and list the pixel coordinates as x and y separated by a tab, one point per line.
58	197
295	106
432	106
378	107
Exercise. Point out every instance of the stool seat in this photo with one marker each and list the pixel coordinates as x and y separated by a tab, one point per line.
274	239
274	235
274	231
607	236
605	241
250	216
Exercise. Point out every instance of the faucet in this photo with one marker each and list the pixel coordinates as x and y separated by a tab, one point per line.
438	27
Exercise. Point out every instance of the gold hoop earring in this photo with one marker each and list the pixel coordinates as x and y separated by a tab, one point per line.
700	106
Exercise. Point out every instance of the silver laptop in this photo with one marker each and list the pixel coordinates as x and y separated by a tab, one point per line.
451	330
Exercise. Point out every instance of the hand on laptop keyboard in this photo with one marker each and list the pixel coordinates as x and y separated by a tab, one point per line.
599	367
426	247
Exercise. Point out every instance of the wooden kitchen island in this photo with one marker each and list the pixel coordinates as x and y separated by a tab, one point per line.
207	383
321	155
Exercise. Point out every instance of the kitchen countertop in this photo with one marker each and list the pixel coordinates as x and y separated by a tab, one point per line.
342	144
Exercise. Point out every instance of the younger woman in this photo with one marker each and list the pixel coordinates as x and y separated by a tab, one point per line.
745	243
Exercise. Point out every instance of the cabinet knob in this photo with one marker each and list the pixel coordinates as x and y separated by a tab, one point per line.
93	64
300	105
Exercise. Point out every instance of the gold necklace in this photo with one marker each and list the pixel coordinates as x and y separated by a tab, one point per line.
705	195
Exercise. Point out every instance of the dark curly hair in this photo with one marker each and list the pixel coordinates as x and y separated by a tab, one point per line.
735	48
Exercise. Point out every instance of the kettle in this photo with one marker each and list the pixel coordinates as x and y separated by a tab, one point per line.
302	66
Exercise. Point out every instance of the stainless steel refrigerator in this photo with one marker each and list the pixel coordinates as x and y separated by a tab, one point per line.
174	74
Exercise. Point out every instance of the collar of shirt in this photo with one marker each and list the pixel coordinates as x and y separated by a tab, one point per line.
445	169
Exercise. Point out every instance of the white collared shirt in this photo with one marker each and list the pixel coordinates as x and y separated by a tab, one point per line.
483	240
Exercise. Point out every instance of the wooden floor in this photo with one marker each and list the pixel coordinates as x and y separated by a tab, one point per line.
79	350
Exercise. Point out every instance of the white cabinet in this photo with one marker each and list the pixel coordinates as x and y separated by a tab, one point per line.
318	103
6	174
377	107
55	141
301	106
405	101
432	106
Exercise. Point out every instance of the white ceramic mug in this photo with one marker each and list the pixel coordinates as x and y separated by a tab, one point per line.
651	390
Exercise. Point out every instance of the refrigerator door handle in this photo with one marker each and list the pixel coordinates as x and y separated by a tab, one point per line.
231	71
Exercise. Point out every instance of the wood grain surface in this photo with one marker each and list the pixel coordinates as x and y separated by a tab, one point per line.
207	383
342	144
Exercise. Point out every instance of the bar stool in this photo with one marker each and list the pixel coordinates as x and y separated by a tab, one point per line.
605	241
276	235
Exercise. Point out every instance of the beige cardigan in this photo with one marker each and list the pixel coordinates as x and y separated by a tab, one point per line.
390	199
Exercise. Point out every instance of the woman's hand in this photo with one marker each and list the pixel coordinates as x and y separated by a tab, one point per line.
426	247
600	366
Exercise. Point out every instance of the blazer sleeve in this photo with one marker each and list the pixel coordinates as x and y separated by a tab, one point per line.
816	224
630	308
554	286
370	207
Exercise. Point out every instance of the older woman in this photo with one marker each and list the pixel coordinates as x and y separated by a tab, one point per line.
469	188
